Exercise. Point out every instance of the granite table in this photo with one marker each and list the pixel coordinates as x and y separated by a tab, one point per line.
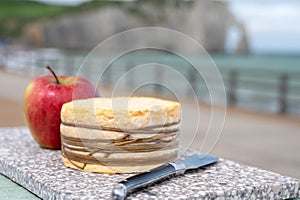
41	171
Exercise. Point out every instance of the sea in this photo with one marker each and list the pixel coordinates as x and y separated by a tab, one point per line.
266	82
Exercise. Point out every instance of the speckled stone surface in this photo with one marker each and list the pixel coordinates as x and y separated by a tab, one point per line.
42	172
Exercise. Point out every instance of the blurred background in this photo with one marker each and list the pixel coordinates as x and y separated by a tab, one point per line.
255	45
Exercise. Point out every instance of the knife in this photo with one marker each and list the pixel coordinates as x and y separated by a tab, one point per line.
123	188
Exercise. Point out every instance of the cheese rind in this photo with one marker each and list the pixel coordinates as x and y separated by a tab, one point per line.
120	135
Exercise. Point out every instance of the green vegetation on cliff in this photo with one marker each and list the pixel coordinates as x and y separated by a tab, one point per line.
14	14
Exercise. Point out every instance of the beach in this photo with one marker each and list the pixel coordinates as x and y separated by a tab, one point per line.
267	141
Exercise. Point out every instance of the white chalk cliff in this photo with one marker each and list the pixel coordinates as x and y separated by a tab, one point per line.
206	21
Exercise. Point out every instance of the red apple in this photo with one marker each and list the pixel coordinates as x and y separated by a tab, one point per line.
42	103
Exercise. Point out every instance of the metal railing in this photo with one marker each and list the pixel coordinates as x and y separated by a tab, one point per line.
261	89
271	91
283	89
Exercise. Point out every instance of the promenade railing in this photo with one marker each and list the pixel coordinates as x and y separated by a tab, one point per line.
276	91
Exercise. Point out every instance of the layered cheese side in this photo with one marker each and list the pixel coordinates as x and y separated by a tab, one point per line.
119	135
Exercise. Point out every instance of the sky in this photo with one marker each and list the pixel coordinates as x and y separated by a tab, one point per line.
272	25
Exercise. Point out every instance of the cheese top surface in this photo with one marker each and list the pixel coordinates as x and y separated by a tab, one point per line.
121	112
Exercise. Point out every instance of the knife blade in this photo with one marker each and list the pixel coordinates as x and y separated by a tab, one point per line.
127	186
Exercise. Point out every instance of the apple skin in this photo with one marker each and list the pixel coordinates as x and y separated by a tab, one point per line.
42	102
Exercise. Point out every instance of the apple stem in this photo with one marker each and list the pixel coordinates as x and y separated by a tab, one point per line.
53	73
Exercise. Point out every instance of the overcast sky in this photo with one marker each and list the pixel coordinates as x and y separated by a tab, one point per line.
272	25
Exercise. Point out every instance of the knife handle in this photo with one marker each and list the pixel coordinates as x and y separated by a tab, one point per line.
125	187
